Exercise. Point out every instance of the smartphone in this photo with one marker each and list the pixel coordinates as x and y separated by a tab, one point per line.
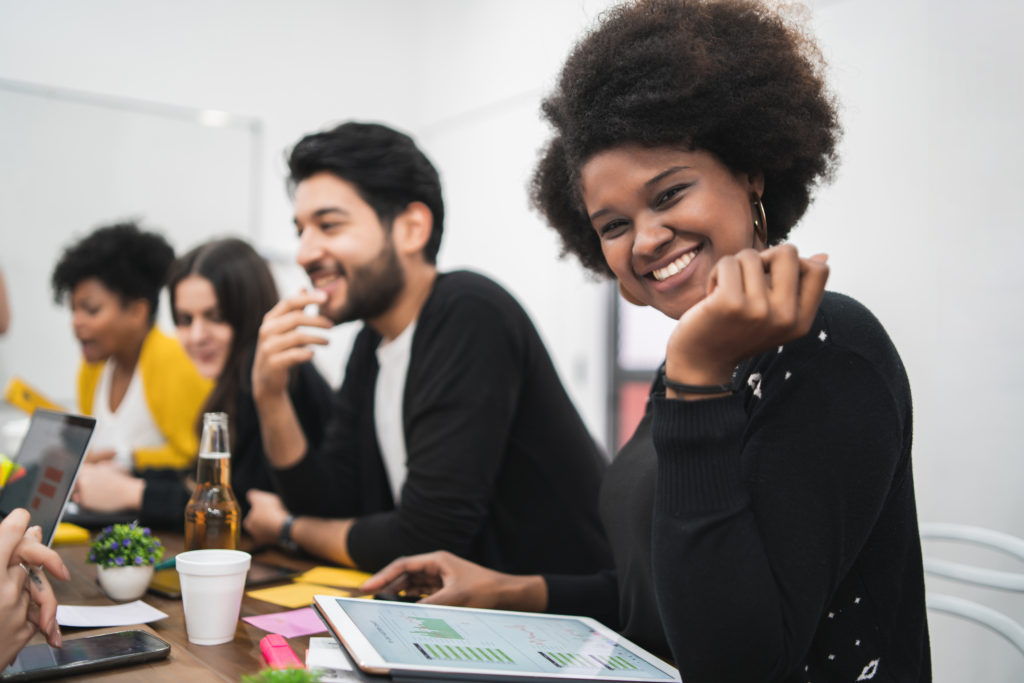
261	573
91	653
165	581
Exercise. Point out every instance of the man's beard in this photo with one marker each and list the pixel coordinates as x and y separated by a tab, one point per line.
372	288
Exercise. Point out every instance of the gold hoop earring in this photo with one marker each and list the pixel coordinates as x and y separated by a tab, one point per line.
760	220
624	293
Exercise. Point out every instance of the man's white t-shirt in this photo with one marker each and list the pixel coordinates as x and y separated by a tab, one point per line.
389	393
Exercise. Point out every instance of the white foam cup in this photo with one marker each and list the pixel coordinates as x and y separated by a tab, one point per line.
212	582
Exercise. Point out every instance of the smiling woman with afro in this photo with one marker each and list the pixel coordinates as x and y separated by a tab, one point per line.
762	517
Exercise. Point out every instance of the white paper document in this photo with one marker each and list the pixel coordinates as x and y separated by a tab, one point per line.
325	655
129	613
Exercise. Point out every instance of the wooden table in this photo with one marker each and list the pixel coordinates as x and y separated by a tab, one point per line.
187	662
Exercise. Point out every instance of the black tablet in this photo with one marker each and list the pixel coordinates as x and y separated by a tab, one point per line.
48	461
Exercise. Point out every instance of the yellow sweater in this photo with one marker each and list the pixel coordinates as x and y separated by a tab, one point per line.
174	392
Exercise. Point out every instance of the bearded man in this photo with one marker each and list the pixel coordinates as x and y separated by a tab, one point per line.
451	429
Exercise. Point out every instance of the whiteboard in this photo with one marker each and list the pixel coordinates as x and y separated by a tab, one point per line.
71	162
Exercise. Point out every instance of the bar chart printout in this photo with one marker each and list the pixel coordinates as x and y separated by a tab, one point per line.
494	642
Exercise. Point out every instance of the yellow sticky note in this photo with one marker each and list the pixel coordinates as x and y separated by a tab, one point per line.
70	534
295	594
334	576
6	467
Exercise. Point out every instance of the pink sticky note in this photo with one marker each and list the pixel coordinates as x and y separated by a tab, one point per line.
296	622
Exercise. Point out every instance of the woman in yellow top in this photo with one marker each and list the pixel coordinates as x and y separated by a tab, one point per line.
138	382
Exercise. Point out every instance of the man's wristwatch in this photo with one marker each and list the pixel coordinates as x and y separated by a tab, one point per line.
284	539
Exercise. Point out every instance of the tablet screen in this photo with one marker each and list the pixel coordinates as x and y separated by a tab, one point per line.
427	637
48	462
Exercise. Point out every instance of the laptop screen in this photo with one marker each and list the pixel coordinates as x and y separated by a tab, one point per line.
48	463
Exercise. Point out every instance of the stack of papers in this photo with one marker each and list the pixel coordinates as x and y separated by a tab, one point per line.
325	656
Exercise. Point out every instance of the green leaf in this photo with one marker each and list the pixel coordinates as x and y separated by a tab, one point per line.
269	675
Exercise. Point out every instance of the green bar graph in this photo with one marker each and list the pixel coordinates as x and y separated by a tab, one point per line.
622	663
572	659
435	628
463	653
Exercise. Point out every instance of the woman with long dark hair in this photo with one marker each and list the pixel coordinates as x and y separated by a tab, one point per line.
219	293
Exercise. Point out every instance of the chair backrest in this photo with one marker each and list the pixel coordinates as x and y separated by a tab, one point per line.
979	576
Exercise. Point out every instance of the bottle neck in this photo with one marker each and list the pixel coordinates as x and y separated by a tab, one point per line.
214	469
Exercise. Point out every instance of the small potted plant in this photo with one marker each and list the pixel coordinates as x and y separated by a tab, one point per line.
124	555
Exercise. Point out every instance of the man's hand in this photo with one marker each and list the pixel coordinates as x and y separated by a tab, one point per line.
755	301
446	579
107	488
282	344
266	516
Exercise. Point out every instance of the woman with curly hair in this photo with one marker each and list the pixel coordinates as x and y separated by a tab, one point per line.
762	517
219	293
138	383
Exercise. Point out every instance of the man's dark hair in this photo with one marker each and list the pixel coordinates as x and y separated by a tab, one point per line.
130	262
730	77
386	168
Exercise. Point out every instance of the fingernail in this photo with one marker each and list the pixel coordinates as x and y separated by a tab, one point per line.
319	295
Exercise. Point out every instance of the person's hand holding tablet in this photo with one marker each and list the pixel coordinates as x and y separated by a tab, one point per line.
27	602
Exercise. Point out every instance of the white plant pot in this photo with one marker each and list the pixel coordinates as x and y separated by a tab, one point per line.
124	583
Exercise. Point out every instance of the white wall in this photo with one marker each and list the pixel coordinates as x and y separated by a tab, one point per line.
71	165
922	224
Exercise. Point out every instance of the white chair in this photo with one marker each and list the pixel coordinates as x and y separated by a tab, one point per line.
965	573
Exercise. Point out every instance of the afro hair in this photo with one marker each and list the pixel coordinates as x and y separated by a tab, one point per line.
128	261
729	77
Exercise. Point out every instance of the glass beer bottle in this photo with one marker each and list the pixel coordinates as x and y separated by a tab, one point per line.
212	516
